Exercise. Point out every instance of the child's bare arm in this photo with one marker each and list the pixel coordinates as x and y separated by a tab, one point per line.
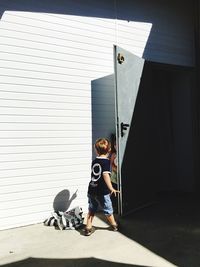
107	180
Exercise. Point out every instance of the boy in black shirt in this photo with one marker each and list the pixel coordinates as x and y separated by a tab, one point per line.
100	187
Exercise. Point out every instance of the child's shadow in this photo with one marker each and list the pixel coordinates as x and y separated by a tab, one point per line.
62	201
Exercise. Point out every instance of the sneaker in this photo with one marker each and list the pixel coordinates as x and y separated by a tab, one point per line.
114	228
88	231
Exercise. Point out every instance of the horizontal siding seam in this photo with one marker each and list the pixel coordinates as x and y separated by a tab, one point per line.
49	58
46	65
54	44
53	51
59	31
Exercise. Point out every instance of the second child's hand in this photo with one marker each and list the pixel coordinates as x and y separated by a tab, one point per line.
114	192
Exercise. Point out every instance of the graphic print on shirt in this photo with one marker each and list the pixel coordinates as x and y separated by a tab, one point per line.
97	185
96	173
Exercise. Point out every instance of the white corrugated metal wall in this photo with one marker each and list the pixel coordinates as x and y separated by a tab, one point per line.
50	54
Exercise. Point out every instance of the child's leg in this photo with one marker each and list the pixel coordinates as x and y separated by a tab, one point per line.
93	205
114	199
90	217
108	210
111	219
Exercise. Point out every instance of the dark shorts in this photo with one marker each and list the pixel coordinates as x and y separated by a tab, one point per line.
104	202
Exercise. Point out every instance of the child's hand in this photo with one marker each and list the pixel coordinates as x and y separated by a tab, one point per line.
113	191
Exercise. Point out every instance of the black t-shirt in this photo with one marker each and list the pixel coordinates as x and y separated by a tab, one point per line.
97	185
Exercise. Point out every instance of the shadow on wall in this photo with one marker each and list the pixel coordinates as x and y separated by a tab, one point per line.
103	107
156	45
62	201
83	262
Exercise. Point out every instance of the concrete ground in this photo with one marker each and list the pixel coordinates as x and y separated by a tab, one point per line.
162	235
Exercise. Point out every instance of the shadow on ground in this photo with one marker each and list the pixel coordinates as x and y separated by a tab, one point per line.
170	228
83	262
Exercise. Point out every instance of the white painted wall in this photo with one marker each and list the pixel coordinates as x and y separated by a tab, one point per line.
49	56
47	64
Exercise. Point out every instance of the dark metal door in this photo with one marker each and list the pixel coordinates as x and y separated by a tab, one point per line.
128	75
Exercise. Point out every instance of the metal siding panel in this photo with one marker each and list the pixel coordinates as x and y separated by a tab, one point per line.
153	30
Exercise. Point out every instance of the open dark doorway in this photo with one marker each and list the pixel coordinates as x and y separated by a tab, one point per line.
158	157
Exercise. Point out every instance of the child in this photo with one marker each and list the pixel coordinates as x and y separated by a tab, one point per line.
113	176
113	161
100	187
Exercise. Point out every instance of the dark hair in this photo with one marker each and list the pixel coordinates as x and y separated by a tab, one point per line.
113	143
